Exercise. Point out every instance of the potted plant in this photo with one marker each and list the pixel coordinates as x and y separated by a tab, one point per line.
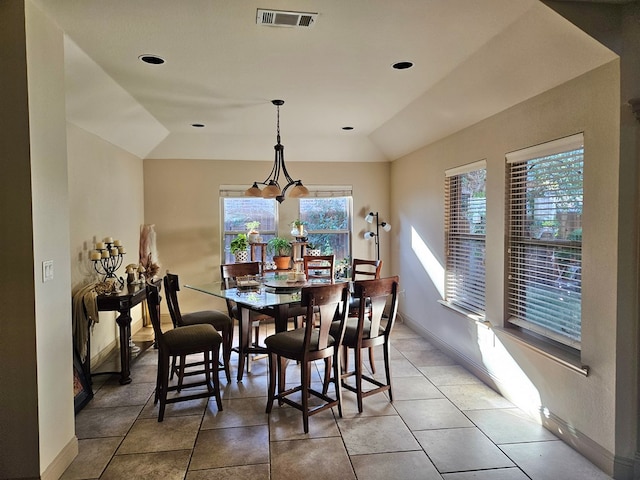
239	247
280	248
313	249
297	228
253	235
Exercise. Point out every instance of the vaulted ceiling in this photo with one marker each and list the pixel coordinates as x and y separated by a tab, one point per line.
471	59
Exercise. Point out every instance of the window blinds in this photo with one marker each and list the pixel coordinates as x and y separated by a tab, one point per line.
545	239
465	228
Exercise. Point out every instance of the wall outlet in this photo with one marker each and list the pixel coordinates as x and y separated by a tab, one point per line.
47	270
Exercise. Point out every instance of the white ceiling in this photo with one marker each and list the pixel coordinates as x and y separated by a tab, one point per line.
473	58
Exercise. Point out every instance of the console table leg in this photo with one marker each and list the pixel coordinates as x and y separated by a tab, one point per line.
124	323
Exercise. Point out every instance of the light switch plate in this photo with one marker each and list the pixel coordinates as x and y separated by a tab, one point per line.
47	270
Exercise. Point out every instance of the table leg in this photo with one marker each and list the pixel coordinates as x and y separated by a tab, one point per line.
124	322
244	332
281	316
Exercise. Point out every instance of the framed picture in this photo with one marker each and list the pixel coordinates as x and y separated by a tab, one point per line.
82	392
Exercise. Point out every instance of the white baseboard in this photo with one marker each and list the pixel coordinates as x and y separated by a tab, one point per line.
62	461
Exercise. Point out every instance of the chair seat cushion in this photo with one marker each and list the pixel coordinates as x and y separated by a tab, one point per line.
291	342
351	331
219	320
191	337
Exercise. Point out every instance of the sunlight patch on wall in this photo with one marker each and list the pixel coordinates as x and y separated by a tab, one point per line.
513	382
428	260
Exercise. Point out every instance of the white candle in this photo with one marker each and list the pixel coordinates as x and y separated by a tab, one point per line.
108	239
121	250
116	243
114	252
94	255
99	245
104	254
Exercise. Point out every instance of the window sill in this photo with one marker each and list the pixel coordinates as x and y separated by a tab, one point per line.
558	355
470	315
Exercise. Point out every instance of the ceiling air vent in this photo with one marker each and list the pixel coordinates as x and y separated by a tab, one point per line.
280	18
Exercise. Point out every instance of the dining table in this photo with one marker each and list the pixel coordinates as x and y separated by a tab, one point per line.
271	295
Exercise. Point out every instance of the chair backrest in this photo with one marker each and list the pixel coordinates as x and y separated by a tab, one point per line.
380	293
365	269
153	302
171	288
322	302
230	271
320	267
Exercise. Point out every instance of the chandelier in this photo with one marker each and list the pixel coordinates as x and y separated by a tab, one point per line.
272	188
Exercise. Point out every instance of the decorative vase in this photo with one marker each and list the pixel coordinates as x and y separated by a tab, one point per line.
282	262
253	237
313	252
242	257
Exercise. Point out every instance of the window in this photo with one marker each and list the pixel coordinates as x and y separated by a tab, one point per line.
327	222
237	211
465	229
545	239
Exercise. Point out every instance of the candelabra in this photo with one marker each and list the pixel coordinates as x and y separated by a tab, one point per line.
107	258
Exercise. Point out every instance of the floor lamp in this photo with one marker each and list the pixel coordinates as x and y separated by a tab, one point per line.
376	235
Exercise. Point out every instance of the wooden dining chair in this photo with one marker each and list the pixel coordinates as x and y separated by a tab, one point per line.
179	342
229	273
362	269
220	321
319	267
368	331
313	342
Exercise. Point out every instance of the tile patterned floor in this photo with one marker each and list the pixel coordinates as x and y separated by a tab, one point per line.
443	424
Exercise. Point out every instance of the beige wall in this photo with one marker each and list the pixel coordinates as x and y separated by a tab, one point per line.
35	338
106	199
589	104
182	200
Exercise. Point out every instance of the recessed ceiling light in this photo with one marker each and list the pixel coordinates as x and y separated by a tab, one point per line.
197	125
402	65
347	128
152	59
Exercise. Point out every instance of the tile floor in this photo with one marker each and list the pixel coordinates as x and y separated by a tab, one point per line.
443	424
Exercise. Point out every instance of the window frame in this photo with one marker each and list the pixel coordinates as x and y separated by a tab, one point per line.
465	279
530	266
231	192
332	192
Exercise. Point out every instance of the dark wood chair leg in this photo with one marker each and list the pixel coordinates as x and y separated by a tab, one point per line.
358	361
387	367
272	381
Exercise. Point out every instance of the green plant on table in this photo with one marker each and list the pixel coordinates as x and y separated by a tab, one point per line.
239	244
279	247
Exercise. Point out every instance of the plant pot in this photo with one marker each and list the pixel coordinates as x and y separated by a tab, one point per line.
282	262
314	252
242	257
253	237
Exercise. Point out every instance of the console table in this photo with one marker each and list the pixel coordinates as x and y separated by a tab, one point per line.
122	302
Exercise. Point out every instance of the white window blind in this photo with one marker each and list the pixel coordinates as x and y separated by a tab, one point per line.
545	239
465	229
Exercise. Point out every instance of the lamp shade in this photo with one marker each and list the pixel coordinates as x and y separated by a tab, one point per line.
271	191
385	226
369	235
369	217
254	191
299	190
